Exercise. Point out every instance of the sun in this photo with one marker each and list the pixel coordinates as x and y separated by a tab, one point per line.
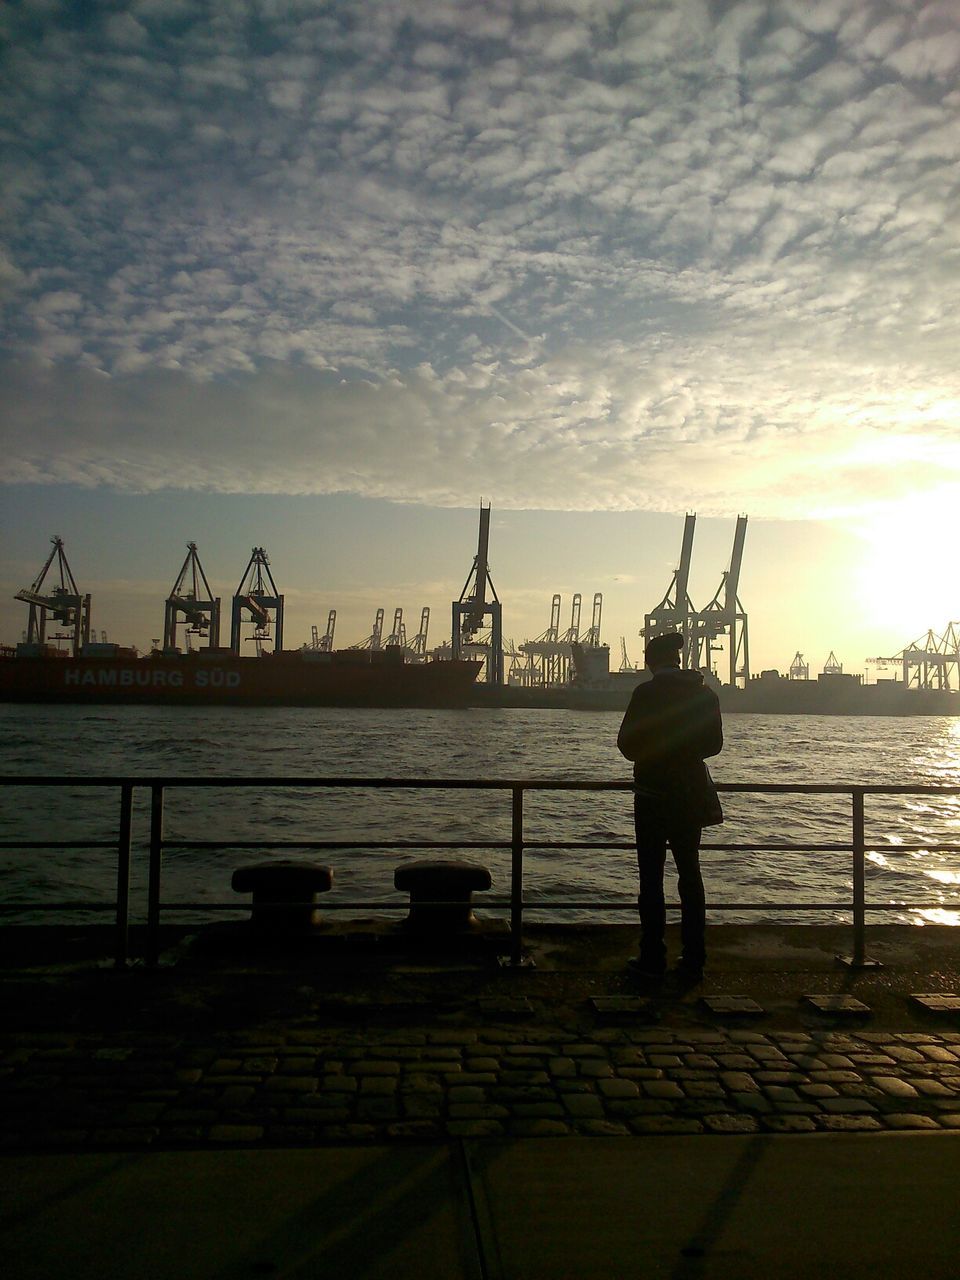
908	578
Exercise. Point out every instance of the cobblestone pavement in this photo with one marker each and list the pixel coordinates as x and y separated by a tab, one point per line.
301	1085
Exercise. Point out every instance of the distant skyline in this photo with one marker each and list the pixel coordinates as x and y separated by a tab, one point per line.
321	277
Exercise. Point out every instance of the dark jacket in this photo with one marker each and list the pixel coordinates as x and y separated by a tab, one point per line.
672	723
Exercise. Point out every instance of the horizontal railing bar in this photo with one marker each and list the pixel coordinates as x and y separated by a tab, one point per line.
58	906
927	847
465	784
387	845
533	904
58	844
530	904
738	848
338	844
596	904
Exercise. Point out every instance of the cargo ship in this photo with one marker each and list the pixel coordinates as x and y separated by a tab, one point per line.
210	677
595	688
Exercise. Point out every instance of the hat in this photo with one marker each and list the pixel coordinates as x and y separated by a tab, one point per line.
663	649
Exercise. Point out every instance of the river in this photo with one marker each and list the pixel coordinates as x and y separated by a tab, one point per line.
273	744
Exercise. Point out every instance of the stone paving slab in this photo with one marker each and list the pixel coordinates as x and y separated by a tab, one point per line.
208	1051
304	1084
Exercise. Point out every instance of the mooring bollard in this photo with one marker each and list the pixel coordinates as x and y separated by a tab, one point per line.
295	884
451	883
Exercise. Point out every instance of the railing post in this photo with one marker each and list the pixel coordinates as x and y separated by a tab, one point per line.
152	955
859	886
516	877
859	958
122	951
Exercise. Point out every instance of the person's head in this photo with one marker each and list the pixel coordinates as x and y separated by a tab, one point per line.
664	650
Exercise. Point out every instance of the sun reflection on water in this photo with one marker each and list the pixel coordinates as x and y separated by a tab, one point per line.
937	915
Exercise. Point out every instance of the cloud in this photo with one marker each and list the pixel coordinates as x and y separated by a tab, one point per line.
587	256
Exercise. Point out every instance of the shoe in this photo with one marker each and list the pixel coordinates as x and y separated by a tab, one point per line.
641	967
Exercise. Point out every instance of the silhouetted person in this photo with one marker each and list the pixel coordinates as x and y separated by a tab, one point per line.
672	723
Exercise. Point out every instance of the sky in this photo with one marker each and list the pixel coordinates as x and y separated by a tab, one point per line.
322	276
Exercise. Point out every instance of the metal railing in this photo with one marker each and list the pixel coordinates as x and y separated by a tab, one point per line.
518	843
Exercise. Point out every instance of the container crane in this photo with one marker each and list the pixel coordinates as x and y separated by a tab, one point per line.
63	602
374	640
572	634
799	670
725	616
929	662
675	612
592	639
258	598
397	639
473	608
418	649
832	667
191	603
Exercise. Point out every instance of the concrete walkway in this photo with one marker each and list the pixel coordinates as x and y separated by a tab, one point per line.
744	1207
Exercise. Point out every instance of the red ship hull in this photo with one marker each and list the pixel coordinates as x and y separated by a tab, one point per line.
348	678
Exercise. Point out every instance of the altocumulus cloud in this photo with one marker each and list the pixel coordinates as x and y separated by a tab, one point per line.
574	255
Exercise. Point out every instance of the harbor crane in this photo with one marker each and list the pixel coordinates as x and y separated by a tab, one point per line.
374	640
832	667
725	616
675	612
323	643
931	661
418	648
257	597
625	663
552	656
473	608
572	634
192	604
592	639
63	602
799	670
397	639
549	653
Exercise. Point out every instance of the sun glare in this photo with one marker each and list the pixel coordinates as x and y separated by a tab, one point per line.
907	581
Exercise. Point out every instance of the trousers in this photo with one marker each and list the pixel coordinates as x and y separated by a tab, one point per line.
656	827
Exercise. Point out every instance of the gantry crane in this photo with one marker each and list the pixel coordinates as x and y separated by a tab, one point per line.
473	608
191	603
374	640
63	602
397	639
545	653
929	662
675	612
323	643
592	639
259	604
799	670
725	616
572	633
418	648
326	640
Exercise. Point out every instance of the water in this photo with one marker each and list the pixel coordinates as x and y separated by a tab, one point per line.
274	743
